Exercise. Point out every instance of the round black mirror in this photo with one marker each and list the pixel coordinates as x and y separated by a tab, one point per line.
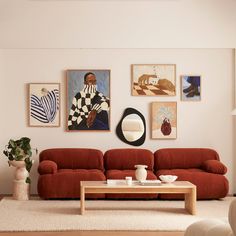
132	127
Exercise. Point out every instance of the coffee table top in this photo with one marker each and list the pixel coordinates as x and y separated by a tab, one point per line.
136	184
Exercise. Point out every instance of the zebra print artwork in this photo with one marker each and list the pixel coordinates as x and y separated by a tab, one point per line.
44	106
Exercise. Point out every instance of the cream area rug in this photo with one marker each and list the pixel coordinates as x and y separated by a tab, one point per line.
154	215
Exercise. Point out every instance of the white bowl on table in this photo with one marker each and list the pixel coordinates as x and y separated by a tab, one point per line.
168	178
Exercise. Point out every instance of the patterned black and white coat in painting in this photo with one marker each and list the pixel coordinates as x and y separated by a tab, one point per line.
83	103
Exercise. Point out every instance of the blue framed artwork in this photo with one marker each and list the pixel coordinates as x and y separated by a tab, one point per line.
88	100
191	88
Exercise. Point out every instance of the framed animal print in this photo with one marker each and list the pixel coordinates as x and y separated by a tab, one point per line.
190	88
88	100
44	104
164	120
153	79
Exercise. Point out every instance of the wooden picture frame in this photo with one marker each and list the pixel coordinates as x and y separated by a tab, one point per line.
44	105
190	87
153	79
164	120
88	100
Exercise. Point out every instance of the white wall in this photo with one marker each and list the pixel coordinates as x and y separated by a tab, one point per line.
57	25
200	124
117	24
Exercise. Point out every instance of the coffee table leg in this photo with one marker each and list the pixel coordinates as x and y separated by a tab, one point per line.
190	201
82	200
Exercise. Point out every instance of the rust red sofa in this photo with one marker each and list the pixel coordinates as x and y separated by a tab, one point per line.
200	166
120	163
62	169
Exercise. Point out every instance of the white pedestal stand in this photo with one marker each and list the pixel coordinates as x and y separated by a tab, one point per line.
20	190
20	187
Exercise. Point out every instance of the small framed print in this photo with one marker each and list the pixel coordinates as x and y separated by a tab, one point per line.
88	100
44	104
164	120
190	88
153	80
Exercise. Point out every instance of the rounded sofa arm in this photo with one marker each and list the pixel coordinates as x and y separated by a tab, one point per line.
214	166
47	167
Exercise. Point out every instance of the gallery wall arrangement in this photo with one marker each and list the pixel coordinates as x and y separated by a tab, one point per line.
88	102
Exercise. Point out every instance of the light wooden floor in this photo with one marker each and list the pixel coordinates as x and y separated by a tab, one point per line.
95	233
92	233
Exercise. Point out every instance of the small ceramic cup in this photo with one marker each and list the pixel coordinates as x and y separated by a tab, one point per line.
128	180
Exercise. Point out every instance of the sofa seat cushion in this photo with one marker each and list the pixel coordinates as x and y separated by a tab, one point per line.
66	183
121	174
83	172
209	186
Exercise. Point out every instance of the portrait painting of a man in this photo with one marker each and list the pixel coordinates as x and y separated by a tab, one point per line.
88	100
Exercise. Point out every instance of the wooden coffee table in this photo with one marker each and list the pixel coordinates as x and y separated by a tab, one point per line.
184	187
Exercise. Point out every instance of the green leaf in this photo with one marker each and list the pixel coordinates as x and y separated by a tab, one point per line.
10	157
29	153
12	144
28	164
18	151
19	158
28	180
5	153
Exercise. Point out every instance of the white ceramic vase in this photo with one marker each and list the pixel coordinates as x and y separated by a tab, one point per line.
140	172
20	187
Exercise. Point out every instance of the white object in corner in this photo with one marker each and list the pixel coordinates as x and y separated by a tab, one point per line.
214	227
233	113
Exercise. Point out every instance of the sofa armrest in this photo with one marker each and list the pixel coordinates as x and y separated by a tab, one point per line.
47	167
214	166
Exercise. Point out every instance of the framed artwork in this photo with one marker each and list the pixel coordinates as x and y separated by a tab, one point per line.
44	104
88	100
164	120
191	88
153	80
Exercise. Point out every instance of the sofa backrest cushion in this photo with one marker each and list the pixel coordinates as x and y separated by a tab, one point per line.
183	158
127	158
74	158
